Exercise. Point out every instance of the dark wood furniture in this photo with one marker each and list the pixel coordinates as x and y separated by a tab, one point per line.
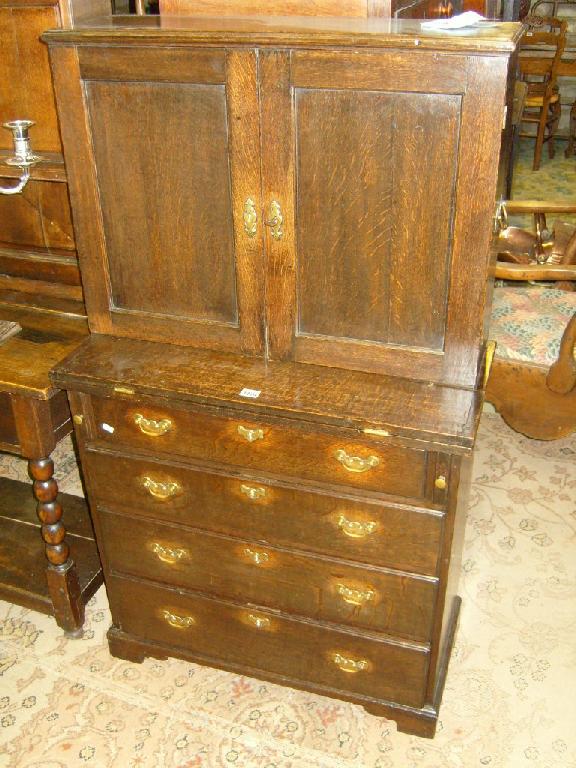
40	288
285	262
59	577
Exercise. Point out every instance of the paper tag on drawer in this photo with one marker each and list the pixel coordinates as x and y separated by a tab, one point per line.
107	428
252	393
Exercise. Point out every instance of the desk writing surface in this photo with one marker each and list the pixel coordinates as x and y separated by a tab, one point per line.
27	357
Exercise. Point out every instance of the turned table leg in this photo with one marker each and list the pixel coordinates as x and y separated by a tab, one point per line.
61	574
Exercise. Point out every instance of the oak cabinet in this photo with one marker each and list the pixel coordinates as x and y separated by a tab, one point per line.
321	206
283	228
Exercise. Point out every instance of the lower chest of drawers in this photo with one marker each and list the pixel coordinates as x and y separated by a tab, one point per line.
255	546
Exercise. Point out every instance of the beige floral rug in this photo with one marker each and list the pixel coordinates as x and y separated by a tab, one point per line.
510	698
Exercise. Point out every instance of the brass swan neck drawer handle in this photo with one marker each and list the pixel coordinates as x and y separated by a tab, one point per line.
253	492
250	218
168	554
162	491
258	622
347	664
276	220
256	557
356	463
356	529
178	622
354	596
152	427
251	435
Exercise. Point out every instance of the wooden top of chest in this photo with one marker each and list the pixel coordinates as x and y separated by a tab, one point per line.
318	394
295	31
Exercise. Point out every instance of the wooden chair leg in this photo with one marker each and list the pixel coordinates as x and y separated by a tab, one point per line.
553	127
61	573
540	138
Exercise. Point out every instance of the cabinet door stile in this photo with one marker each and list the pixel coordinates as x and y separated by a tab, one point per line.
244	128
276	114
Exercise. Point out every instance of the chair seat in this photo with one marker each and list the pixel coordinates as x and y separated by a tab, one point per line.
527	323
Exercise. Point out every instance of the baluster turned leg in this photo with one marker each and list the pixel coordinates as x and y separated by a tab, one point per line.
61	574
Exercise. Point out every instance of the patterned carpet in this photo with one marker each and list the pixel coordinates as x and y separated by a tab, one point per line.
509	700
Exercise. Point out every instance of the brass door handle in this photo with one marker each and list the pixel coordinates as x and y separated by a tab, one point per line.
356	463
253	492
152	427
250	434
354	596
168	554
178	622
356	529
276	220
347	664
162	491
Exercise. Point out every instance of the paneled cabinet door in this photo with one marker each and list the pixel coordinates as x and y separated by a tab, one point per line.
379	178
163	155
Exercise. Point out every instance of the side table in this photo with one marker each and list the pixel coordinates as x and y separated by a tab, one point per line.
61	576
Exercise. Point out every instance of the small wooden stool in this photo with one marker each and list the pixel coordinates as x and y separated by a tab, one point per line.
34	416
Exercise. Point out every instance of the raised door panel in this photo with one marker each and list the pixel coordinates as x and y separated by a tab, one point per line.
380	265
173	144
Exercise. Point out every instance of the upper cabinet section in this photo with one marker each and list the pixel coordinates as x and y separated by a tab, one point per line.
316	204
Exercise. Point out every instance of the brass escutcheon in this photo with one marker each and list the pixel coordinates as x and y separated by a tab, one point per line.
250	218
259	622
256	557
253	492
276	220
250	434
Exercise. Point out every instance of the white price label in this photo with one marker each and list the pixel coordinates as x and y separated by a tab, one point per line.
253	393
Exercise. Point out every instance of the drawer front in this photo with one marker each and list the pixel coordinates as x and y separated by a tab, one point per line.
308	586
249	507
243	637
8	432
285	450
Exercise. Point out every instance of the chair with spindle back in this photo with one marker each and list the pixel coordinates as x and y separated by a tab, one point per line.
541	49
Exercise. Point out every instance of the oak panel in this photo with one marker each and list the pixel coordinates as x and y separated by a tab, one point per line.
154	65
170	251
38	217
